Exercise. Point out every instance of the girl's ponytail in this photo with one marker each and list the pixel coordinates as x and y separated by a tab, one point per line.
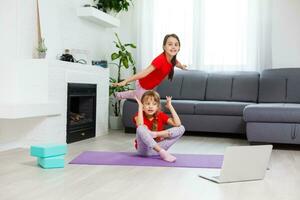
171	73
154	124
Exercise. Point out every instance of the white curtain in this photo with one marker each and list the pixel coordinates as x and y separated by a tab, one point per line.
152	26
173	16
216	35
143	12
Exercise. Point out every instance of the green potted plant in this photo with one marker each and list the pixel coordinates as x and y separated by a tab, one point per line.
125	60
113	5
41	49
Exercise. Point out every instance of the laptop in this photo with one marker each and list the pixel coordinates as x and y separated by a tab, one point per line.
242	163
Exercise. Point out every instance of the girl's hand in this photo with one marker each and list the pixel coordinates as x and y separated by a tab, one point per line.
169	102
184	67
122	83
139	102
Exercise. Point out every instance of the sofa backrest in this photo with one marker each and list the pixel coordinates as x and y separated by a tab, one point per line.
199	85
187	85
232	86
280	86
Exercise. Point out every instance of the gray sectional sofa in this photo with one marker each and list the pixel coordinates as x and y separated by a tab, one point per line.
264	106
276	117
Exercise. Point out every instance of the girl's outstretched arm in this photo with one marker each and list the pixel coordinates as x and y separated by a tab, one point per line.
137	76
181	66
175	120
139	119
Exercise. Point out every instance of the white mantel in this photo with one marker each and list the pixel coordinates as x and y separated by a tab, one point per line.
33	100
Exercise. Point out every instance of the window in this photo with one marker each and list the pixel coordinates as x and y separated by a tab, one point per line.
215	35
225	32
173	16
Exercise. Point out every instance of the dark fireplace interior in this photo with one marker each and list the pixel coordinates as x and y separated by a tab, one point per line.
81	111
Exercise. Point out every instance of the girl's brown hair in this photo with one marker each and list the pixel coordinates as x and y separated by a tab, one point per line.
152	94
173	61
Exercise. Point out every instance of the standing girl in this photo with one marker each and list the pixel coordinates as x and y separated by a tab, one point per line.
160	67
151	138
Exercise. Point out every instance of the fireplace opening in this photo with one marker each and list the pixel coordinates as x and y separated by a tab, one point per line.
81	111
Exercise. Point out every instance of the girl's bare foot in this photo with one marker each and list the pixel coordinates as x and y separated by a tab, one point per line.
166	156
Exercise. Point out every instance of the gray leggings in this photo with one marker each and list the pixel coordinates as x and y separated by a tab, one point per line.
146	143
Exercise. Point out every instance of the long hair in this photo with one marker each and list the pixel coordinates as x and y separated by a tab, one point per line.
155	96
173	60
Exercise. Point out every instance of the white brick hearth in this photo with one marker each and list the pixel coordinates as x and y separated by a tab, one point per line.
33	103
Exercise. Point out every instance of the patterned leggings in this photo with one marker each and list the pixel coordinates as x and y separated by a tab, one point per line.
130	94
146	143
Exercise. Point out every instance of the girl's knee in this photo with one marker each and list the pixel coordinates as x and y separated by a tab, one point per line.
141	129
177	131
181	129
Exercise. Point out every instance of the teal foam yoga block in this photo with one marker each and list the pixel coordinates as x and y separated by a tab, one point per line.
52	162
48	150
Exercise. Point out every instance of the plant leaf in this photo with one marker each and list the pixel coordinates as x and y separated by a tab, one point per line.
130	57
114	56
125	61
131	45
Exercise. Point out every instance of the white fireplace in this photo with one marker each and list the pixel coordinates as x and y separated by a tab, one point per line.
33	103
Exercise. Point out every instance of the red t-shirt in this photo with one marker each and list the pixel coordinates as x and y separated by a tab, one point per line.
162	69
162	119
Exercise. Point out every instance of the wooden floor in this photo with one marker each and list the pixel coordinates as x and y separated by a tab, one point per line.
21	178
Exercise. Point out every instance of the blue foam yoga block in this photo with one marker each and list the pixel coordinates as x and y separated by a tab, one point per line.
52	162
48	150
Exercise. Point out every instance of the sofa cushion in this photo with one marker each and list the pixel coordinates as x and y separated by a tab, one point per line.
232	86
220	108
272	89
293	93
280	86
193	85
218	87
273	112
171	88
181	106
186	84
245	87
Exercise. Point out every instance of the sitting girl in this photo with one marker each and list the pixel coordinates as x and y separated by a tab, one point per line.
151	138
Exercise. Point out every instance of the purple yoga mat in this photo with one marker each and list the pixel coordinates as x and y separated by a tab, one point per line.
132	159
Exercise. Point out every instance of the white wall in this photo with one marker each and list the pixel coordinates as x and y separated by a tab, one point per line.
24	126
286	33
17	29
127	34
61	28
